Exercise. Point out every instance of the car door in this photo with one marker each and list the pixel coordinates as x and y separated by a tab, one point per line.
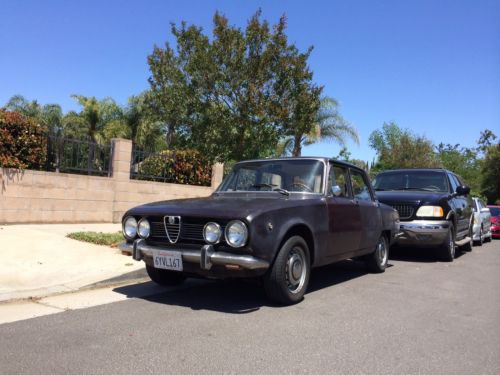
344	219
458	202
485	217
371	218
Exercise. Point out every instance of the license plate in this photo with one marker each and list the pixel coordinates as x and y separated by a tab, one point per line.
167	260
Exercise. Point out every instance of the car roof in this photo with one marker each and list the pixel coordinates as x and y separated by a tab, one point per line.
318	158
417	170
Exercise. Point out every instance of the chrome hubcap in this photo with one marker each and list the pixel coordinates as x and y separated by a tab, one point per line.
296	270
381	252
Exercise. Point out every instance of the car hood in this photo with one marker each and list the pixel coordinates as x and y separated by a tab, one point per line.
234	205
495	219
410	197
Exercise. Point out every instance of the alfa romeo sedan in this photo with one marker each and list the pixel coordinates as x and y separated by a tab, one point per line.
272	219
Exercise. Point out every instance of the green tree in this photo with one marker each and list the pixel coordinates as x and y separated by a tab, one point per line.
49	115
234	95
490	183
95	115
399	148
327	125
464	162
345	155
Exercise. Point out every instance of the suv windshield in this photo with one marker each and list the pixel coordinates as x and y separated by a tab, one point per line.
284	176
412	180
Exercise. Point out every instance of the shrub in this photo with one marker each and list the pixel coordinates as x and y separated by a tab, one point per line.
180	167
23	142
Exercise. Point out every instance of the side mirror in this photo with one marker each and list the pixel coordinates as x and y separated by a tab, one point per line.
485	209
463	190
336	190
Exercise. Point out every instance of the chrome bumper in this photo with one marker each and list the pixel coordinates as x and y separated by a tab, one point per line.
205	257
423	232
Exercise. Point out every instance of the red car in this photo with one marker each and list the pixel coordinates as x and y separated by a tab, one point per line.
495	221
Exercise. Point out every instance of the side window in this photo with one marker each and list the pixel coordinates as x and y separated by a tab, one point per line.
454	182
338	176
360	187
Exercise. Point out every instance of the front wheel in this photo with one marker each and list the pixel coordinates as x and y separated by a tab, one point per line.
377	261
286	282
165	277
447	250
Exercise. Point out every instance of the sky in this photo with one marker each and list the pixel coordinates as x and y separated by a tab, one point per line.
431	66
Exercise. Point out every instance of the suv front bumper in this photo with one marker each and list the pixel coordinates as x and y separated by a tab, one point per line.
423	232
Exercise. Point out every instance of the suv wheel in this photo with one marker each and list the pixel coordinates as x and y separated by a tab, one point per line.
377	261
165	277
447	250
286	282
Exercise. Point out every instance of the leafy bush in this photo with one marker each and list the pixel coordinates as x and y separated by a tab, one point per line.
180	167
23	142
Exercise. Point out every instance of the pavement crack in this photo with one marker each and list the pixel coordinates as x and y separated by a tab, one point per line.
51	306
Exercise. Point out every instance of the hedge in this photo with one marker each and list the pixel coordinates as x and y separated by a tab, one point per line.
180	167
23	141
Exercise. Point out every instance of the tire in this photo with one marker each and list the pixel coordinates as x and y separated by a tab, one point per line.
287	280
480	242
165	277
446	252
377	261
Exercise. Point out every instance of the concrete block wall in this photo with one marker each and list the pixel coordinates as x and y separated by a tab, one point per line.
28	196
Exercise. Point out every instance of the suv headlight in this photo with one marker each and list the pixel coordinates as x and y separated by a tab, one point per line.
130	228
144	229
212	232
430	211
236	233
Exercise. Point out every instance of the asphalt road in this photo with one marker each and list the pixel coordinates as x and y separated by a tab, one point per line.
420	317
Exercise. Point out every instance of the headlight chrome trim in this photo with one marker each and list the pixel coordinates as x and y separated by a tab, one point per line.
129	236
245	233
219	236
142	221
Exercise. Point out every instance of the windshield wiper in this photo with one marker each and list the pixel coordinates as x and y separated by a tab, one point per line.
273	188
417	188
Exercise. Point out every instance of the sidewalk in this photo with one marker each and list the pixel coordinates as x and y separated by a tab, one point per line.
39	260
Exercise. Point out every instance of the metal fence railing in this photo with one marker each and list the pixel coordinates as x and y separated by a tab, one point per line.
78	156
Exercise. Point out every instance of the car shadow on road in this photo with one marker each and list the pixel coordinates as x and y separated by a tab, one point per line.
418	255
237	296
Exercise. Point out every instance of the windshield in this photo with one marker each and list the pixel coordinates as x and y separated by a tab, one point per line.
495	211
412	180
283	176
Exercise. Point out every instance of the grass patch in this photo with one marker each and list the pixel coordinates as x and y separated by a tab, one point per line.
98	238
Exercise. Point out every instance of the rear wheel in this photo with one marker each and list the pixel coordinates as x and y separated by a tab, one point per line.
286	282
377	261
165	277
480	241
446	252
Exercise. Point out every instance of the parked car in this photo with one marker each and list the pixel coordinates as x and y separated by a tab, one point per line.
272	219
482	222
434	208
495	221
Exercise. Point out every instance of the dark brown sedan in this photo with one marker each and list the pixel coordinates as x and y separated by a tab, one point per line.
273	219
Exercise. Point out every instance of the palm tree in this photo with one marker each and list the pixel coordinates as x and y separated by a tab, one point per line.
329	125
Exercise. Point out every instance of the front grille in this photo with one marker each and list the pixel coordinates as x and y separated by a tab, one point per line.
190	230
405	211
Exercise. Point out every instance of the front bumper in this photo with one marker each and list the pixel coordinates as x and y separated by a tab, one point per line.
423	232
202	259
495	231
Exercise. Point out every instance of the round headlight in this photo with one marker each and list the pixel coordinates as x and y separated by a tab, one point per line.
212	232
144	228
236	233
130	228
